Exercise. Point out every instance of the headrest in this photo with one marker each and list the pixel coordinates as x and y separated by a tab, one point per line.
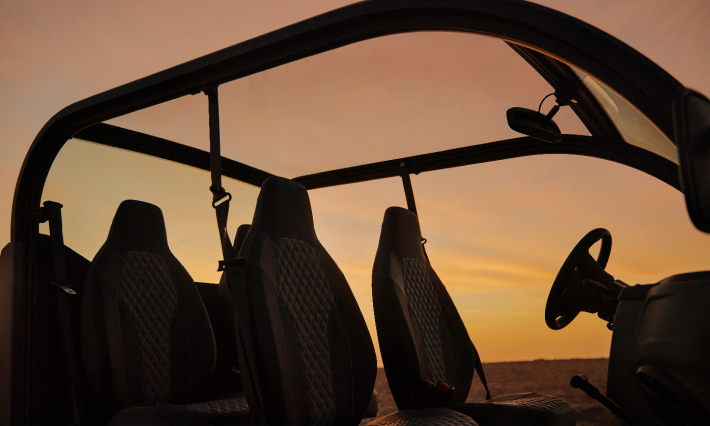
283	208
401	234
138	226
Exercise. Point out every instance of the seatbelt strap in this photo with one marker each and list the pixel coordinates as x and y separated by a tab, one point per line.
241	315
220	197
479	369
52	211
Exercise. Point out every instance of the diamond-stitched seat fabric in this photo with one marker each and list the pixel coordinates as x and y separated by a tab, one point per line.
422	335
148	294
222	406
522	408
537	402
425	417
147	341
304	290
424	307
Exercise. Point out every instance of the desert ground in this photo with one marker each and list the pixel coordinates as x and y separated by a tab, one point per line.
544	376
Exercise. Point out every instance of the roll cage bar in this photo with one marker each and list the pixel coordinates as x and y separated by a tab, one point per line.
629	155
528	27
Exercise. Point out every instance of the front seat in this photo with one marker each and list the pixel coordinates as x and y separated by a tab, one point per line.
305	351
423	339
147	342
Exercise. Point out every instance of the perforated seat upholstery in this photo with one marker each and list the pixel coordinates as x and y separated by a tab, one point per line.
147	341
421	334
306	354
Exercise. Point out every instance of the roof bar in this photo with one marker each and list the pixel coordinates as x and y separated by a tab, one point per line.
626	154
131	140
663	169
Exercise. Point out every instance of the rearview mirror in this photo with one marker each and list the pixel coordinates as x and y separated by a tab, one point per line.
534	124
691	123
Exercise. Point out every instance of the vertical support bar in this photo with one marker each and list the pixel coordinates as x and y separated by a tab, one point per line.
408	191
215	154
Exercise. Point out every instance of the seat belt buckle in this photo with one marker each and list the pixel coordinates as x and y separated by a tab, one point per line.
66	288
428	394
224	264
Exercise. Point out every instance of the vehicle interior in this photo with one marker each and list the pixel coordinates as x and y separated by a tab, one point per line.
121	305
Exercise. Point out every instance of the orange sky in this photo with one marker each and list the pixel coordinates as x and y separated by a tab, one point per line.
497	232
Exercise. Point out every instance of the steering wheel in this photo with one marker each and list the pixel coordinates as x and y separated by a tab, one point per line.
568	296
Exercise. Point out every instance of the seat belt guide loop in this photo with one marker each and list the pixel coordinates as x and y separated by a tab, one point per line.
67	289
219	199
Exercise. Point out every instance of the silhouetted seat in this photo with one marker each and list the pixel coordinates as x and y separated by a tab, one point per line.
306	354
147	342
422	336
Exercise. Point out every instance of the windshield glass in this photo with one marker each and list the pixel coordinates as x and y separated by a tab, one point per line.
91	180
634	127
376	100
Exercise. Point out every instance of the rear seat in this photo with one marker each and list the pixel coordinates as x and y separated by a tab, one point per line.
147	342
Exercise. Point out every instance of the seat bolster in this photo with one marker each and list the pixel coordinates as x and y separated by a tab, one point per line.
271	344
397	338
352	357
192	349
460	358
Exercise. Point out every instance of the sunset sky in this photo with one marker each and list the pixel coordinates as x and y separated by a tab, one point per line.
497	232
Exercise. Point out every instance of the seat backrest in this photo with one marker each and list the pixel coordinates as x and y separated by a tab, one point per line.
310	358
146	335
420	331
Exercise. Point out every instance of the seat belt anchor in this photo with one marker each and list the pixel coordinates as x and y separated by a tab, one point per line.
223	264
66	288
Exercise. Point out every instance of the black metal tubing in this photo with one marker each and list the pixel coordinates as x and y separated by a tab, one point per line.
119	137
638	158
624	153
565	38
